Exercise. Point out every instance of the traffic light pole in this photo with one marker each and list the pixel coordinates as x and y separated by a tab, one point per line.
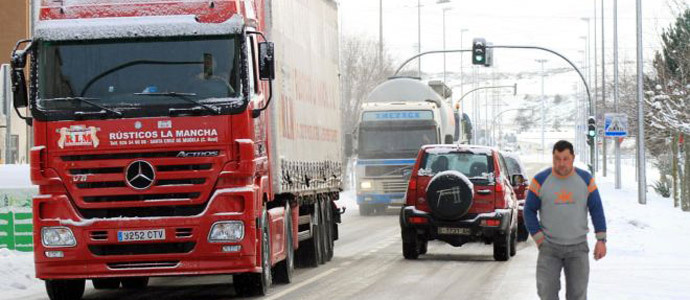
582	77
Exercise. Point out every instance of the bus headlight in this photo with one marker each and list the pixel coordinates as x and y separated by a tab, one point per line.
365	185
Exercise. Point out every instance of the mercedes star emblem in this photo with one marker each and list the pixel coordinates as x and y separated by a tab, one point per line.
140	175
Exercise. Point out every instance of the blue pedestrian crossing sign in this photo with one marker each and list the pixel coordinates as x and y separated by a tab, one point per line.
616	125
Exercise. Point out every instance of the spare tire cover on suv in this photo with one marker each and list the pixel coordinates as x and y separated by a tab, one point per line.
450	195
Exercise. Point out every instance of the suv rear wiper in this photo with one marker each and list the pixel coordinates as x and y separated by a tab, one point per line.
104	110
184	96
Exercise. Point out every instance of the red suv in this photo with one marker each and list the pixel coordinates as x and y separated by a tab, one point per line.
459	194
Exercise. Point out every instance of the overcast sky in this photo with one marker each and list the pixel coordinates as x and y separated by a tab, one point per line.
555	24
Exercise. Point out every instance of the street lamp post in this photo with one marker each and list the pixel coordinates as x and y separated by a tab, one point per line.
615	91
445	9
642	181
543	106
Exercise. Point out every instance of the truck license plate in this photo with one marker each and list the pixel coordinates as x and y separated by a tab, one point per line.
453	231
140	235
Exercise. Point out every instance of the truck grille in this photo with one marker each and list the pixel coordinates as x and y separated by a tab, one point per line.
394	186
387	171
143	265
181	184
139	249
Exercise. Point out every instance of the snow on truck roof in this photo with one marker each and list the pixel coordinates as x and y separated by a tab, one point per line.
133	27
403	90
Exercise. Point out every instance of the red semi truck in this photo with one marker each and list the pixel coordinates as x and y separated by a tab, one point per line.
173	139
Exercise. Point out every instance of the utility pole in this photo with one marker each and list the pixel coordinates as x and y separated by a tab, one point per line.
419	36
603	87
445	9
615	91
596	88
642	182
543	106
380	31
462	79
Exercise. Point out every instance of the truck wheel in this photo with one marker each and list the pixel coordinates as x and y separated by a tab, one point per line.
282	273
135	283
105	283
410	243
513	241
502	247
522	233
328	210
322	234
257	284
69	289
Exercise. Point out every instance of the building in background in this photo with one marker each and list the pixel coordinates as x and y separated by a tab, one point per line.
15	136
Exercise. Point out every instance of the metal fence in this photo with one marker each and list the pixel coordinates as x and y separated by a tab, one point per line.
16	229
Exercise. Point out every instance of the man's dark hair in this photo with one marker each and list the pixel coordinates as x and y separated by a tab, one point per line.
562	145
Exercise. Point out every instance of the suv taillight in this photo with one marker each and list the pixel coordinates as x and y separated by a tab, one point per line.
499	195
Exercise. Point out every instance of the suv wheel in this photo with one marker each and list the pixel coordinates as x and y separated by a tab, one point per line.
410	243
502	247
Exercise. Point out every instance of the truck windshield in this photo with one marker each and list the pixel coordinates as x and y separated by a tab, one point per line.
390	142
120	75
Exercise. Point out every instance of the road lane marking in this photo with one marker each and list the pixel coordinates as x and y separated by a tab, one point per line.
301	284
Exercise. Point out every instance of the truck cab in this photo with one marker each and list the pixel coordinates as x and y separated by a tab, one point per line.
399	116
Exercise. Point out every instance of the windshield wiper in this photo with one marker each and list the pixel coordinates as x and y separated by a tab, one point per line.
86	100
184	96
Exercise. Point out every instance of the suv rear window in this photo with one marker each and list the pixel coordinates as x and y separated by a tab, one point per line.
473	165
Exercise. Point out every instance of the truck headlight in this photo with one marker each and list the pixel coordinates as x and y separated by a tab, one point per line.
226	231
365	184
57	237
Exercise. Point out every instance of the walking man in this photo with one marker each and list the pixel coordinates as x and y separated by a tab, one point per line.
562	196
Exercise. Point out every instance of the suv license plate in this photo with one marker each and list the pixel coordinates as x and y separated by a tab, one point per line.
140	235
453	231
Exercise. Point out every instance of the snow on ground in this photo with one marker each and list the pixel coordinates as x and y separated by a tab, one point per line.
17	275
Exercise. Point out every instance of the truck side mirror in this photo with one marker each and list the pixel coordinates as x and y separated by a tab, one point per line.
266	61
19	91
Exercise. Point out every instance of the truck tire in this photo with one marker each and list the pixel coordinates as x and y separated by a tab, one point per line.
502	247
322	233
449	195
308	254
410	243
330	230
282	273
105	283
135	283
257	284
65	289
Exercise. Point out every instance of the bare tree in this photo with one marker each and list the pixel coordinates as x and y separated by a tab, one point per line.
362	70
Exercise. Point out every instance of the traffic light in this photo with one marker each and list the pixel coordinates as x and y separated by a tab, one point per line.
591	130
479	51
